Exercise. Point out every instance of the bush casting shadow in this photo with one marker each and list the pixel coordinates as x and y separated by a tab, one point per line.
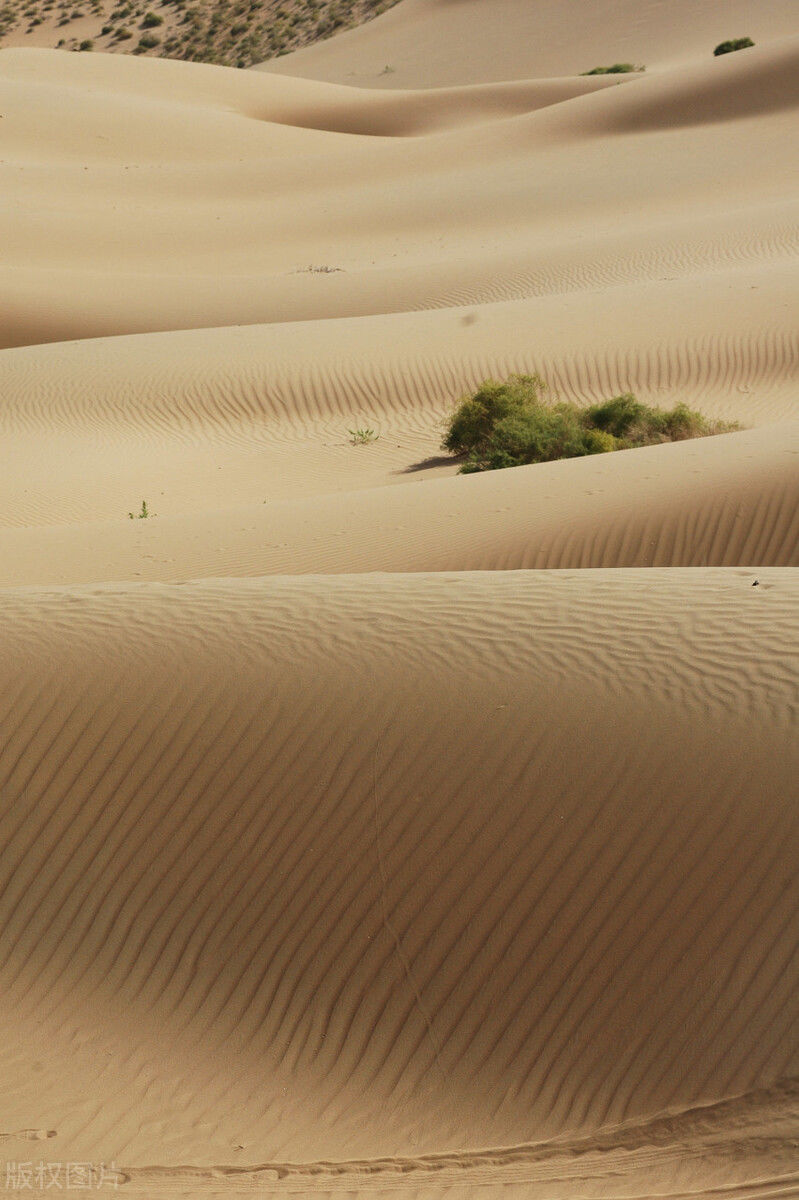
513	424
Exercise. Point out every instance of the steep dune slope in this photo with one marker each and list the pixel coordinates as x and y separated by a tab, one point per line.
397	867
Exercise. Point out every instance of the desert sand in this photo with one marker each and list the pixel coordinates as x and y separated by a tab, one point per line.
367	828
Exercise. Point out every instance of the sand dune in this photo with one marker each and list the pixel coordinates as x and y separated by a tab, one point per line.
398	867
519	203
207	421
367	828
722	501
439	43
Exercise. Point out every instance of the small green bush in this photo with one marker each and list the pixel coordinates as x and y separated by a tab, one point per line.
86	44
734	44
151	20
514	423
149	41
616	69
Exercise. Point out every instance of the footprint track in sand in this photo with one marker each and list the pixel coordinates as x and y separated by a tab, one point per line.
29	1135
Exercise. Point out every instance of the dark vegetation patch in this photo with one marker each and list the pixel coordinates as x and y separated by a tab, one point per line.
516	423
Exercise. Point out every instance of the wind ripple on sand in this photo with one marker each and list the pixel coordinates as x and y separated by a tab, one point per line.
249	876
396	867
731	500
301	372
719	1140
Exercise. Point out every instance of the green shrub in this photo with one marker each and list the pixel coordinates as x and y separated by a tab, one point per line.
513	423
149	41
475	417
616	69
599	441
151	20
86	44
734	44
616	416
538	434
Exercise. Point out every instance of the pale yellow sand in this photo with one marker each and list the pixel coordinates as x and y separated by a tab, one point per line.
439	43
366	828
720	501
171	195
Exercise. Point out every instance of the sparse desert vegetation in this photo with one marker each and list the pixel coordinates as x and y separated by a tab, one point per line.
233	33
516	423
742	43
616	69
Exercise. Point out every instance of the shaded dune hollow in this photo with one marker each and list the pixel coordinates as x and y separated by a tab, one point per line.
369	828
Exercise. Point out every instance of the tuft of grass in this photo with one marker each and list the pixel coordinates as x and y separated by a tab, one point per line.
515	423
616	69
143	513
362	437
733	44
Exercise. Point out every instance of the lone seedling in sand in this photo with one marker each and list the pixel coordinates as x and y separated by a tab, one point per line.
513	424
362	437
142	515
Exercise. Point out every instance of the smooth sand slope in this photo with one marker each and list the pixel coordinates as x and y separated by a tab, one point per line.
366	828
439	43
174	195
